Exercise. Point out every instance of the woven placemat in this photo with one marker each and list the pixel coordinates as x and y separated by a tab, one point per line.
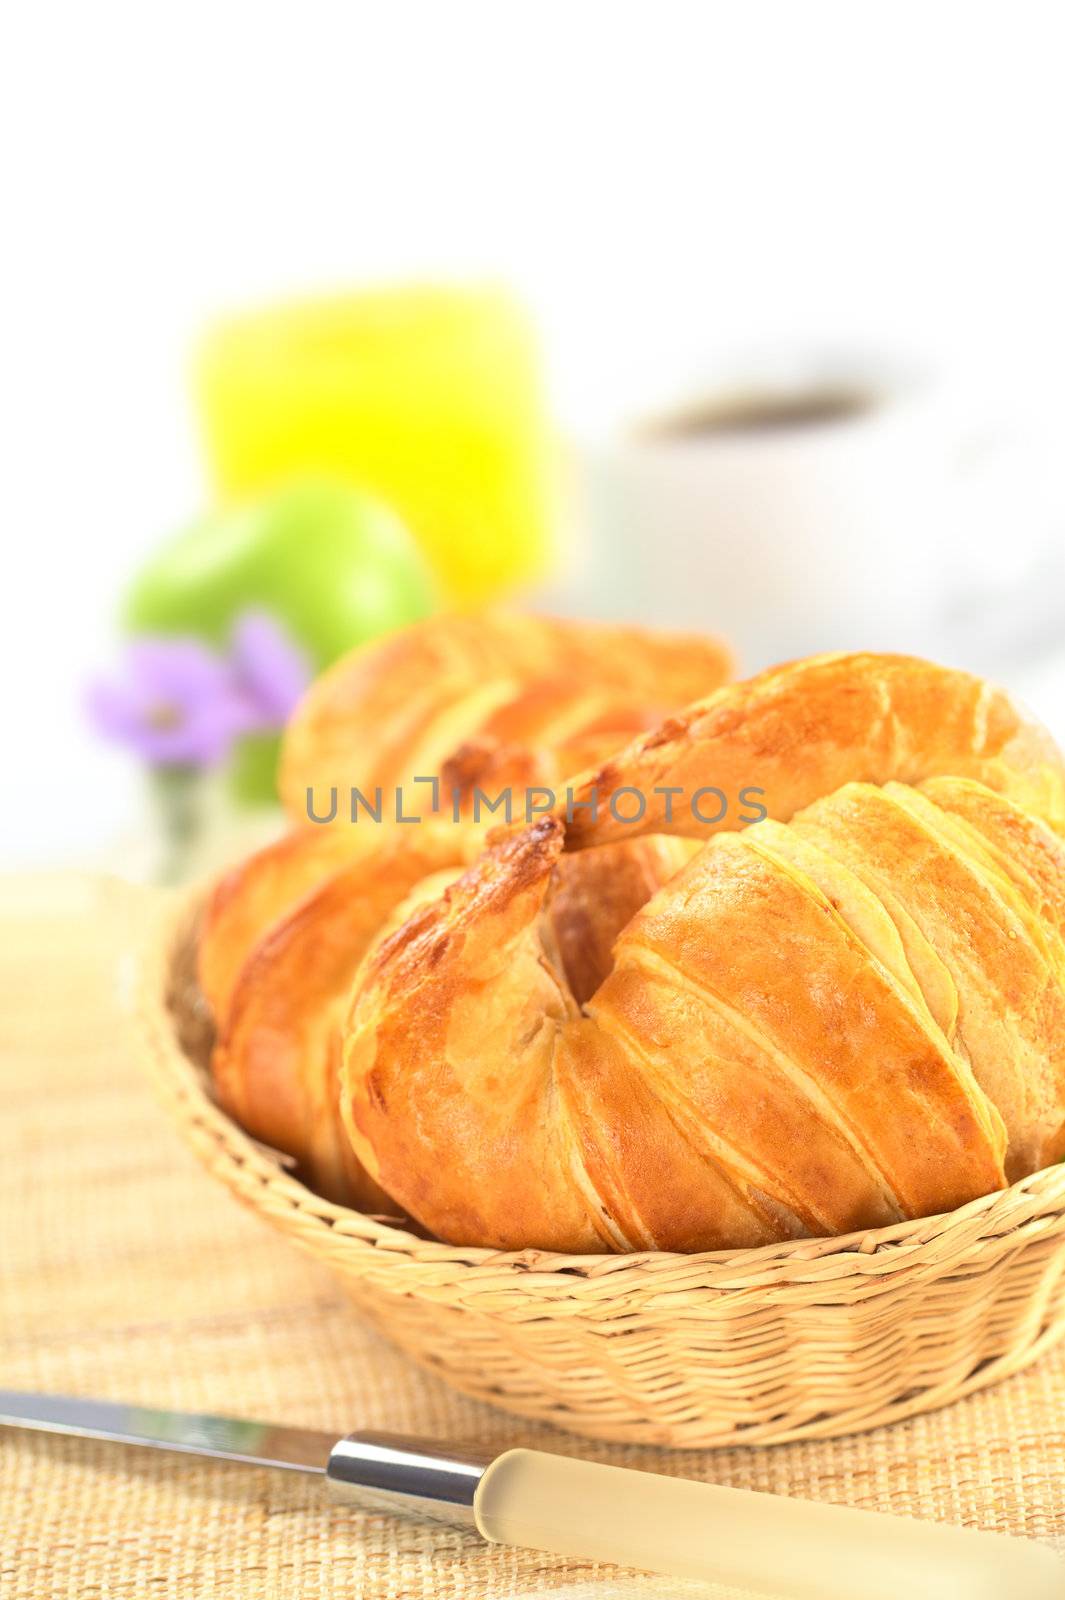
127	1273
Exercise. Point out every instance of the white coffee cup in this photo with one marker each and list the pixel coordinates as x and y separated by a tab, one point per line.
839	505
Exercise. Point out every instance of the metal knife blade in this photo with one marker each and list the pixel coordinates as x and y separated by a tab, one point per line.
258	1444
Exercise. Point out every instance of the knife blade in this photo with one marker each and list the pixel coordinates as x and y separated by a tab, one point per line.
259	1444
766	1544
393	1470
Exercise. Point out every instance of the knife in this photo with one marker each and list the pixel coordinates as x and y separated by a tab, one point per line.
767	1544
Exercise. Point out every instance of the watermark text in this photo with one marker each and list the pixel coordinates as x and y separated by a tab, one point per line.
626	805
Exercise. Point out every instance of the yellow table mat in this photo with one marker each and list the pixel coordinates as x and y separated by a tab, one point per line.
126	1272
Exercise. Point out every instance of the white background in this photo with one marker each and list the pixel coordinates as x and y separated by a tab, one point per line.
654	177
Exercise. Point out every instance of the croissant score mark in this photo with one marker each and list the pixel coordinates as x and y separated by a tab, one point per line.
626	804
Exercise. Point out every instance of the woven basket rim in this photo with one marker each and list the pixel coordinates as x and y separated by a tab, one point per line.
258	1174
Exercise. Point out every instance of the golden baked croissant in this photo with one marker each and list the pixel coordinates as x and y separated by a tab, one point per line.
847	1014
493	697
493	701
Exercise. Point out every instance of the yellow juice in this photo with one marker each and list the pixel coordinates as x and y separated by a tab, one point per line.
431	397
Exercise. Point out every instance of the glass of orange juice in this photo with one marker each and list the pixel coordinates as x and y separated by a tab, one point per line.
431	396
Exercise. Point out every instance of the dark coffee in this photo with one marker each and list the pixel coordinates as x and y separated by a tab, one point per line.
759	412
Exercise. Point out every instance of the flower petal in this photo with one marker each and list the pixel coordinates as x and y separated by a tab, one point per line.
178	704
271	670
177	669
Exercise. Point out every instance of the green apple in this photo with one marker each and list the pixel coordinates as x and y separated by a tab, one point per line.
333	565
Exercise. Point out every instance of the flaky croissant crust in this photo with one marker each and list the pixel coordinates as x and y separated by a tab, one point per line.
492	699
495	698
844	1015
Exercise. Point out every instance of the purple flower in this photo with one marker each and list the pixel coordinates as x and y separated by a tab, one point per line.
179	703
176	704
270	670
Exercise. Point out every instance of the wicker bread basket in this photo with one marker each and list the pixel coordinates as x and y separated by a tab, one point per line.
791	1341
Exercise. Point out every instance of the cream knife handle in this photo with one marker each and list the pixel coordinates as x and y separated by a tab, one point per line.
766	1544
401	1473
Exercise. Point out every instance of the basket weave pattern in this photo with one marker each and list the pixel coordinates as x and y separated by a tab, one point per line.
791	1341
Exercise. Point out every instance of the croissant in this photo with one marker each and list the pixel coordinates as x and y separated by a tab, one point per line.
512	699
846	1014
492	700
